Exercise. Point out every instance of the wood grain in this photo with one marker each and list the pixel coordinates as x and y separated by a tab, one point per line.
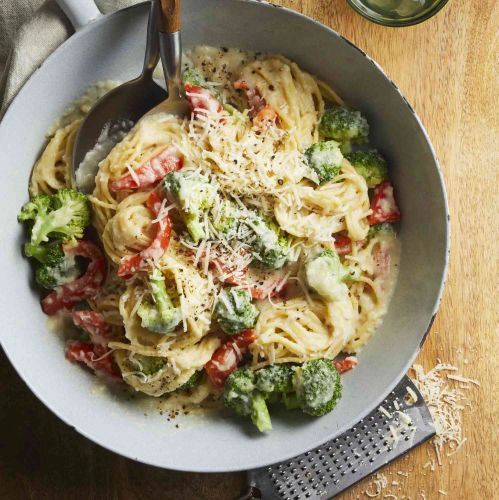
170	16
447	68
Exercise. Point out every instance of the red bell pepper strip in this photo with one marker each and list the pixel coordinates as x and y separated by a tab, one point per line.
84	352
227	357
344	365
383	205
84	287
94	324
342	244
95	354
260	112
150	172
129	265
262	284
265	116
258	282
201	100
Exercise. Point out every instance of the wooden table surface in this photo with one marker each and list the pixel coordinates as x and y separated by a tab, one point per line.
447	67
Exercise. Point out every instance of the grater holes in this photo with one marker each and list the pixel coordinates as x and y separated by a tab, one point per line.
343	459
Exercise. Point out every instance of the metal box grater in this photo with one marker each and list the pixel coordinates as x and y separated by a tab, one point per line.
340	463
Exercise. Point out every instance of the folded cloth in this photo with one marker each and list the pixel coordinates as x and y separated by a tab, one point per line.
29	31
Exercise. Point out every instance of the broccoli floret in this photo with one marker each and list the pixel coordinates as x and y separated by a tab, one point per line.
50	276
194	78
385	228
63	216
41	204
241	397
345	126
270	246
191	382
324	158
50	254
162	316
370	164
318	386
226	220
290	400
148	365
194	195
233	111
54	268
275	379
260	413
238	391
325	274
234	310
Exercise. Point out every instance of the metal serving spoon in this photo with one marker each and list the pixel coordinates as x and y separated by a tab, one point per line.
170	46
119	109
123	106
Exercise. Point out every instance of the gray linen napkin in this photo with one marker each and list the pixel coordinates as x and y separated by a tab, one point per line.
29	31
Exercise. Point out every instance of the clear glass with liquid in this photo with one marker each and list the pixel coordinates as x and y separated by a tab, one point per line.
397	12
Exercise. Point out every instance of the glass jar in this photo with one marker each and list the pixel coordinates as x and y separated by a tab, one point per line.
397	12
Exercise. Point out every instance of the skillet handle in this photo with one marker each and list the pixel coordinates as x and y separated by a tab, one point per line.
79	12
170	16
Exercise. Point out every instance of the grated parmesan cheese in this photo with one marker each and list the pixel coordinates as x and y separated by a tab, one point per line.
445	404
384	412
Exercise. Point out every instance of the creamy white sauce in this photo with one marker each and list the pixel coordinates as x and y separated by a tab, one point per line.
108	138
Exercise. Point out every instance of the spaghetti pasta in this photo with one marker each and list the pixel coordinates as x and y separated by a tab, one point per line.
245	211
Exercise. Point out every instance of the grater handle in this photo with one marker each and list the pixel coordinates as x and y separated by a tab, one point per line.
252	493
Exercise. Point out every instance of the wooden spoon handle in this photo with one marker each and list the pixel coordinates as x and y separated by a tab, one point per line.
170	16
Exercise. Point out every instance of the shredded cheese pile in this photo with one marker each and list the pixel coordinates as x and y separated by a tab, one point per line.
445	393
234	150
446	405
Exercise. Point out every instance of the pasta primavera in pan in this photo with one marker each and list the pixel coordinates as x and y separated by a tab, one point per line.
242	255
